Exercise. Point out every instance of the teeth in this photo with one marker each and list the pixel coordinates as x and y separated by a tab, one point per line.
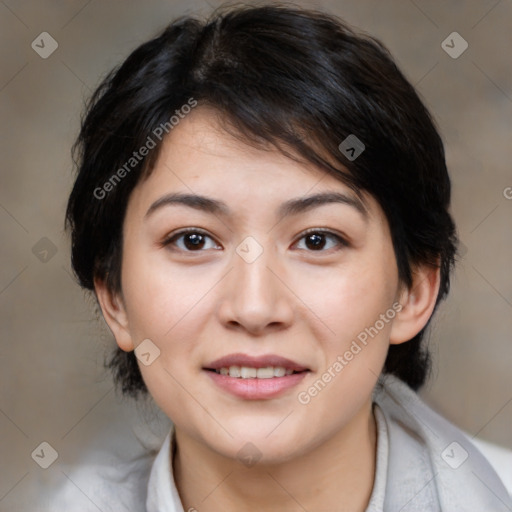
234	371
279	371
245	372
265	373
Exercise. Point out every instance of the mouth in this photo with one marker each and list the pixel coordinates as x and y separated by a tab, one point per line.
247	372
255	378
244	366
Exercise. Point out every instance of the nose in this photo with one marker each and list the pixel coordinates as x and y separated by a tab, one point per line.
255	297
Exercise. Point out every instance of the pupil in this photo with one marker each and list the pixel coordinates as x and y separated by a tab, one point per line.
194	240
316	241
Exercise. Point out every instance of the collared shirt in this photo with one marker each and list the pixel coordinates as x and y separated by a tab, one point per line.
423	464
163	495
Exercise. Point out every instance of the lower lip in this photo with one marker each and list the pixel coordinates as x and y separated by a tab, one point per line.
256	389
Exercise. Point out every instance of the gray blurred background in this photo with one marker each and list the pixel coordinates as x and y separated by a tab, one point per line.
53	387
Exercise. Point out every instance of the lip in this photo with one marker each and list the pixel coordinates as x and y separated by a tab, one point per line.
240	359
256	389
253	388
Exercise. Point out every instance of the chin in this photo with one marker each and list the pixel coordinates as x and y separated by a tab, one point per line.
256	444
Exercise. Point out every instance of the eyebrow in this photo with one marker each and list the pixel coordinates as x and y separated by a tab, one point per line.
290	207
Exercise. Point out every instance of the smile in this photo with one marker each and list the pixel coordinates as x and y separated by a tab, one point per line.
254	377
246	372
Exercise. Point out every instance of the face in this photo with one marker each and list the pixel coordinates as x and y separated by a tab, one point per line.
225	254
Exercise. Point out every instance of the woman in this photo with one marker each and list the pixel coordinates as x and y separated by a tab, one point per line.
261	211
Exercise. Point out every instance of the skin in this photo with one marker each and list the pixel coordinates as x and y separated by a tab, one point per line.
294	300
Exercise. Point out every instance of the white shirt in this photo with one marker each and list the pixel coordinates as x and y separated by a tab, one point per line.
163	495
423	464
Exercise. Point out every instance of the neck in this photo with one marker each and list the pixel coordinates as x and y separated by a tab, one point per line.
338	472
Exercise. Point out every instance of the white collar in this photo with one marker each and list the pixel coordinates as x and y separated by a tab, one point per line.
415	470
163	495
162	492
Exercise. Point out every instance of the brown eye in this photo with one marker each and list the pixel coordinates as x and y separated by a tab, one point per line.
315	241
191	240
321	240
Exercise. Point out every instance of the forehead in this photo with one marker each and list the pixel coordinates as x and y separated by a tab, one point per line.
204	143
200	157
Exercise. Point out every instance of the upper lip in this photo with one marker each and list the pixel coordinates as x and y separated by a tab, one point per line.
254	362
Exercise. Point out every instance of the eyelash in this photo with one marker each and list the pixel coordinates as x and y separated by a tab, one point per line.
171	239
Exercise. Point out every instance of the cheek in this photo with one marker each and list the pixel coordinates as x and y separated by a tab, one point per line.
160	297
165	308
352	335
170	308
349	299
354	347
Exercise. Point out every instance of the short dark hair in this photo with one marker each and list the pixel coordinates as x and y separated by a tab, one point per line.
286	76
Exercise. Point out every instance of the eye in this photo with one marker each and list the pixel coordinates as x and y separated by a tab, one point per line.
191	240
321	240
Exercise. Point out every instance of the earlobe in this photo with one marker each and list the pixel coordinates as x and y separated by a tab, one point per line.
115	315
418	303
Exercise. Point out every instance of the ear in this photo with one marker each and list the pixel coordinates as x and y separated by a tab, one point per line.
417	302
115	315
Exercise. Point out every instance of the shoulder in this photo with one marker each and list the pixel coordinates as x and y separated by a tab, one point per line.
431	458
498	456
110	486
